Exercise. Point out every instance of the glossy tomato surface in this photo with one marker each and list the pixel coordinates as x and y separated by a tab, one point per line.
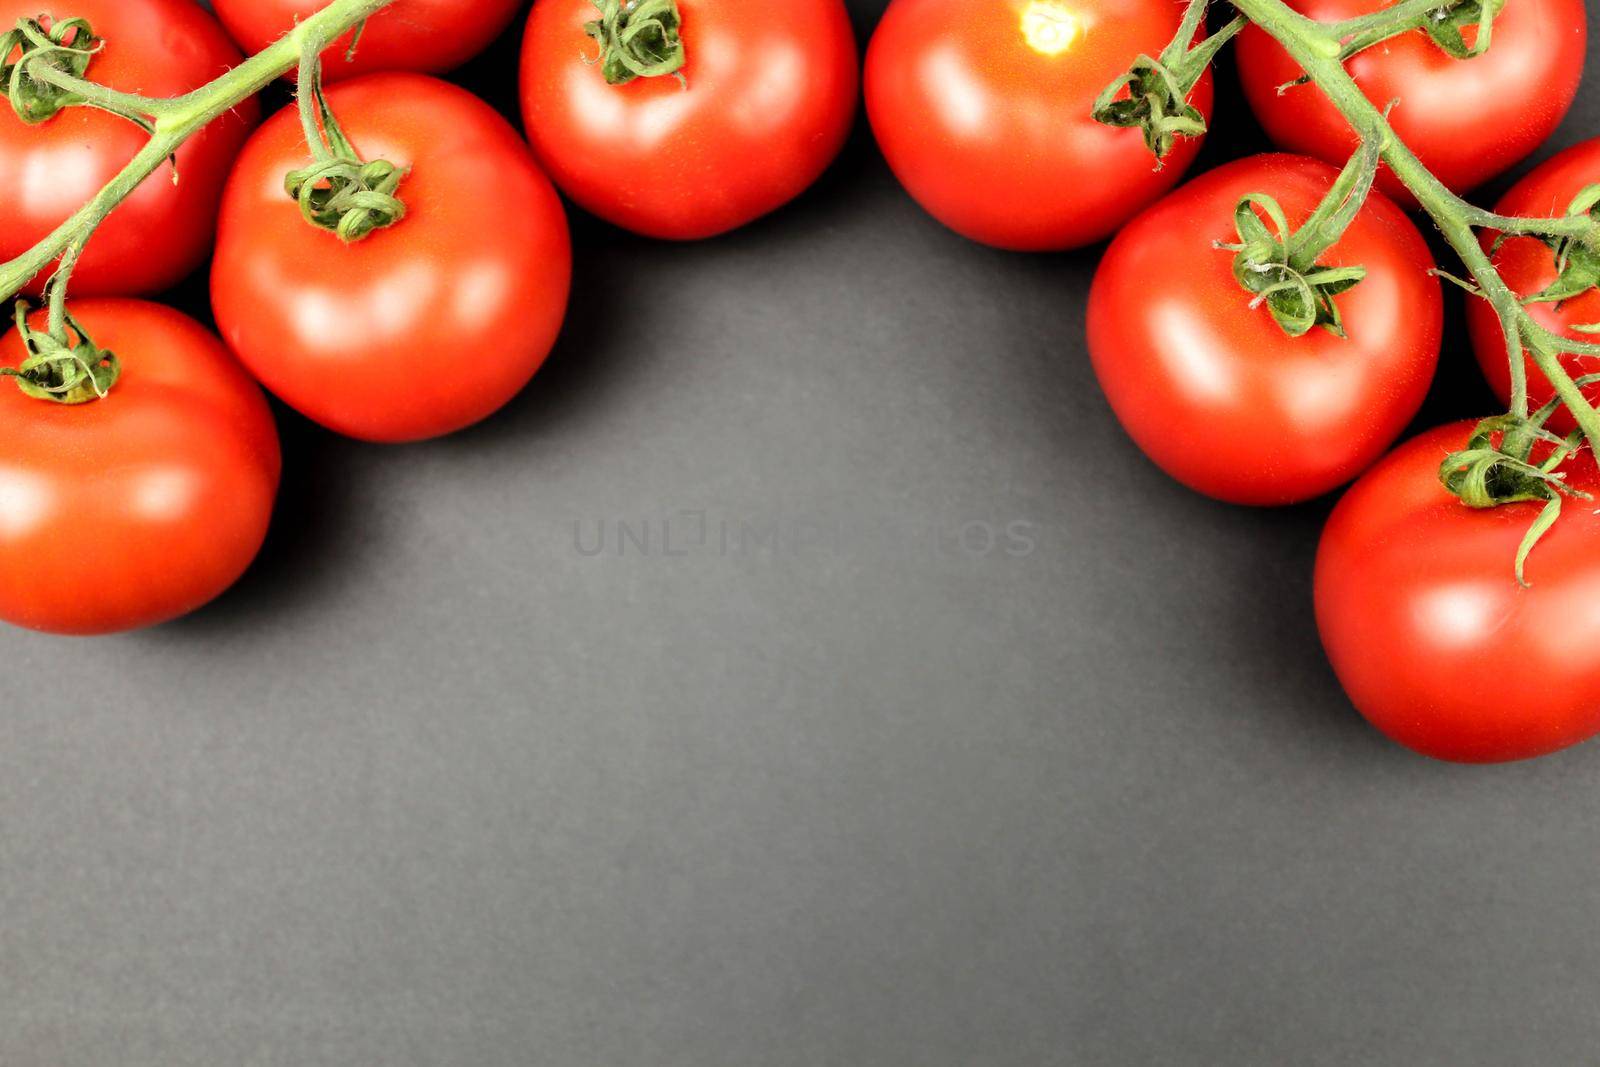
425	327
768	96
138	508
431	36
982	108
1528	265
1428	630
1213	390
1467	120
49	171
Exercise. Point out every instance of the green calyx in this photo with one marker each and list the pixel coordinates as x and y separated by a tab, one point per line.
1447	25
67	46
1157	102
348	197
1577	258
1498	468
1279	267
638	39
1154	95
340	191
60	370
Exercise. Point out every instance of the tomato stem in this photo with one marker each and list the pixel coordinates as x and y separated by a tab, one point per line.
1390	21
131	106
58	291
1512	225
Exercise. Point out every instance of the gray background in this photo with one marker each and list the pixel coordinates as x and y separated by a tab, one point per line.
434	787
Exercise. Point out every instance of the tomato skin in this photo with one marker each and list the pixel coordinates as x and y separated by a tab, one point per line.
425	327
1528	265
47	172
1429	632
1467	120
996	140
132	510
770	98
428	36
1213	390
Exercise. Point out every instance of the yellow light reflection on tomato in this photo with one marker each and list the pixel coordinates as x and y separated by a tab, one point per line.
1048	27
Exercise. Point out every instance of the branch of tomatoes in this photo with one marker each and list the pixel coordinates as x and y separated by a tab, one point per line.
1494	468
47	74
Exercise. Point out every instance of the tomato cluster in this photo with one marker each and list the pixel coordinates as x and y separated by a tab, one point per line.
139	507
1264	333
983	109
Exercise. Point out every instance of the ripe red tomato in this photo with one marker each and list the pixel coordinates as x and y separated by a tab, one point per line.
1528	265
983	110
1427	628
1213	390
425	327
431	36
135	509
49	171
765	105
1467	119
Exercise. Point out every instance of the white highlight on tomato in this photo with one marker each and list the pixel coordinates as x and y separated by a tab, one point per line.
164	494
964	101
1461	614
1049	28
26	500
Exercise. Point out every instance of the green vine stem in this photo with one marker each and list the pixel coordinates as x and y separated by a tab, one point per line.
1443	20
172	122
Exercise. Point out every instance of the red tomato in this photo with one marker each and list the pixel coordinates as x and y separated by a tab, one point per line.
432	36
1467	119
135	509
1427	628
766	103
49	171
1528	265
1213	390
425	327
982	108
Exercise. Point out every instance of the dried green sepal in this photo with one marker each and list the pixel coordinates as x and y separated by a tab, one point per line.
63	371
638	39
68	46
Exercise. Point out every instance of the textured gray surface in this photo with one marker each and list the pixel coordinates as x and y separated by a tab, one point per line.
433	786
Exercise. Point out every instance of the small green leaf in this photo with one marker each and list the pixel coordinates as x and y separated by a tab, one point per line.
1579	267
1541	526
